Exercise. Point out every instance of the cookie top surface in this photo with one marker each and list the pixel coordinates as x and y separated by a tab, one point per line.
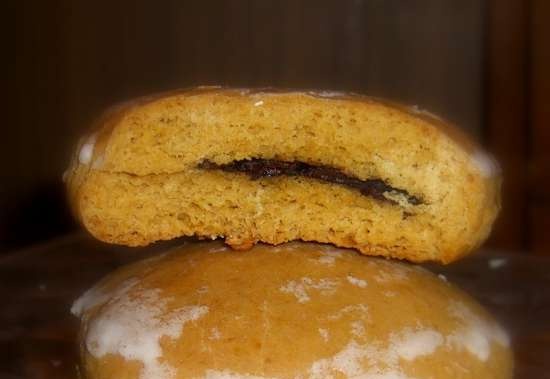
293	311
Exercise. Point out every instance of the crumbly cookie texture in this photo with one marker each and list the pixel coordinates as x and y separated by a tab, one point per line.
172	165
292	311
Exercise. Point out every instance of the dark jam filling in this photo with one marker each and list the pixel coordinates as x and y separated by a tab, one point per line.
257	168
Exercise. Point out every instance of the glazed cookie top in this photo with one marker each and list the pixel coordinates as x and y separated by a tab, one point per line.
293	311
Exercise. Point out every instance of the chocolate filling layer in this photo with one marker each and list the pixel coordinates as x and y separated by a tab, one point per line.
257	168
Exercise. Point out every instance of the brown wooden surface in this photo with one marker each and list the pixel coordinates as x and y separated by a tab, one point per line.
506	114
38	285
539	207
518	119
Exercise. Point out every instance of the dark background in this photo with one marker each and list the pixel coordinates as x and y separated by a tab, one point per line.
484	65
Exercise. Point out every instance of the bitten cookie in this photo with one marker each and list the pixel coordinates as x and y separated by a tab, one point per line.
295	311
268	166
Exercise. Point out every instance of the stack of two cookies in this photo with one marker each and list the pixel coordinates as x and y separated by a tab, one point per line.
260	169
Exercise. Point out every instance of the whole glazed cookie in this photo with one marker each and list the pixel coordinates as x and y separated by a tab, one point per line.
270	166
300	311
